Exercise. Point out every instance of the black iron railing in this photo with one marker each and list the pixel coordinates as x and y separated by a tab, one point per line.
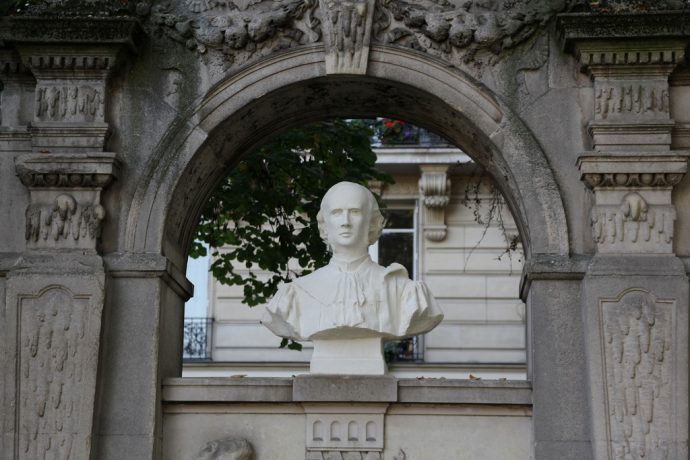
196	344
404	351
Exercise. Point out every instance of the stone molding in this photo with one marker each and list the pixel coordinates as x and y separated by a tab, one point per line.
116	31
434	188
286	390
578	26
634	170
65	208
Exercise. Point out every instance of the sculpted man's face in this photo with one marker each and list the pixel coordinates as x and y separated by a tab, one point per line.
347	215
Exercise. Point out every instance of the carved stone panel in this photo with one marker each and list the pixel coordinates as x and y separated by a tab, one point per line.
70	102
50	336
638	358
58	347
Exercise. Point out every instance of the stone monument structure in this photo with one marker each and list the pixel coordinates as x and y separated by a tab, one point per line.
349	306
117	119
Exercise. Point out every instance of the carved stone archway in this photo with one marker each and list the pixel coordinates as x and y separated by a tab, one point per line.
177	91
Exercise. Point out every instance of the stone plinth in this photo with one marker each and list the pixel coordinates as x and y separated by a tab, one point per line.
351	356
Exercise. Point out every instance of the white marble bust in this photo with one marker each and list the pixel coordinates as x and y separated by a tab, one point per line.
349	306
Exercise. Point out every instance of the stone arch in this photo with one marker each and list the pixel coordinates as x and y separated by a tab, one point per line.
291	88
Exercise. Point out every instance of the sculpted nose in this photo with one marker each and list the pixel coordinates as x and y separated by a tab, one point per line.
346	218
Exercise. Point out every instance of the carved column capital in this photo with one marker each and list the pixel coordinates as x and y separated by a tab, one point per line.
633	211
434	187
65	210
631	89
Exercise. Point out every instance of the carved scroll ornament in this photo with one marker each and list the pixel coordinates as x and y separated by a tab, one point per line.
434	187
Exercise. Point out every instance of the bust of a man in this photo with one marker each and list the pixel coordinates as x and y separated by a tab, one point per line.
349	306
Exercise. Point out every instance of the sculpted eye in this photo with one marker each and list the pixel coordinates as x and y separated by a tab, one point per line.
336	212
355	212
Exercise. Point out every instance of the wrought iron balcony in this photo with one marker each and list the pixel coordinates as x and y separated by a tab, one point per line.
196	344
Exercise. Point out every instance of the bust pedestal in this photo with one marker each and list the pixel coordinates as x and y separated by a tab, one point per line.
348	356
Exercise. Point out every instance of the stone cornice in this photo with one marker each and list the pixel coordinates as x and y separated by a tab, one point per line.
633	170
73	31
574	27
93	170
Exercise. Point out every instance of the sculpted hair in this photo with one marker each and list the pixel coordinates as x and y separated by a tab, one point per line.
375	221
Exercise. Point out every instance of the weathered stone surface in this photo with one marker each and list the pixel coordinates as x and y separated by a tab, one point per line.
314	388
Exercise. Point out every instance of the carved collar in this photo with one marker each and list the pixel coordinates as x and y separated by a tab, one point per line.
349	265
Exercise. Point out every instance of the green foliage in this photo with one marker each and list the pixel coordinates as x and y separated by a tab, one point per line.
264	214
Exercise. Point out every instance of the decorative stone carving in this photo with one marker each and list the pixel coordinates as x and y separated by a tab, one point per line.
347	33
470	31
227	449
63	220
349	306
633	212
434	187
240	30
633	224
72	103
337	432
623	99
638	342
57	346
65	209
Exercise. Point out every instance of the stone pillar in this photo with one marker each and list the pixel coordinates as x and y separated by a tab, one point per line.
635	290
55	293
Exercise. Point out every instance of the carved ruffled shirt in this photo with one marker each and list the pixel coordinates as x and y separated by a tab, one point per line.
360	298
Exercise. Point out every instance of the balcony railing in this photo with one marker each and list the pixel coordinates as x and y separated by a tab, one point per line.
196	344
409	136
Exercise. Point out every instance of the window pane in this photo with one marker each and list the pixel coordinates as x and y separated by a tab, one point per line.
397	247
399	218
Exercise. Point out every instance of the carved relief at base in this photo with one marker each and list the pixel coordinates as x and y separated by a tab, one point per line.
637	338
58	350
65	219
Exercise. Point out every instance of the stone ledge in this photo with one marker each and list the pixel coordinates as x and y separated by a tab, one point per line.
330	388
228	389
361	389
81	30
584	26
552	267
148	265
465	391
